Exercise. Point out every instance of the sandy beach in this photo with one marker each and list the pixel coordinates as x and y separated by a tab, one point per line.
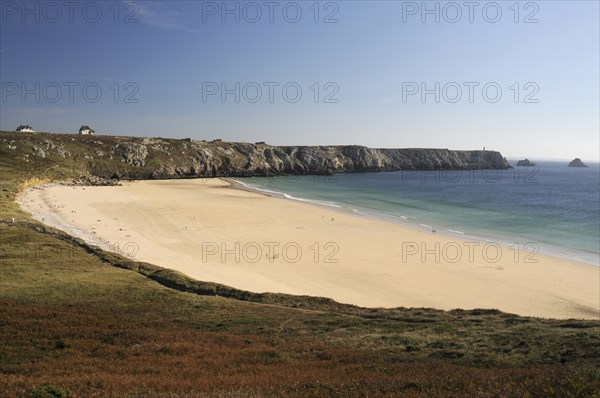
213	232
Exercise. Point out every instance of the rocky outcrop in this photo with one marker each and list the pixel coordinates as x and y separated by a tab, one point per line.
113	157
525	163
577	163
37	151
94	181
133	153
239	159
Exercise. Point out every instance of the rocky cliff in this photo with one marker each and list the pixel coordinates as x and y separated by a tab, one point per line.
146	158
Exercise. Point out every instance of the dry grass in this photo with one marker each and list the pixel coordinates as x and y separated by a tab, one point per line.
70	318
33	182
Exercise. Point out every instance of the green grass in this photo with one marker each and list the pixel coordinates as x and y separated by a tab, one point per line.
81	322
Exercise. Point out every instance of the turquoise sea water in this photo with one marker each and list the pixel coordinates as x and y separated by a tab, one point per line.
555	207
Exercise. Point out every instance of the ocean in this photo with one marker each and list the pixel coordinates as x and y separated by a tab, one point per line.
550	208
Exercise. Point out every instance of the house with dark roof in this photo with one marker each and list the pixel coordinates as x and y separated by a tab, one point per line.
86	130
24	128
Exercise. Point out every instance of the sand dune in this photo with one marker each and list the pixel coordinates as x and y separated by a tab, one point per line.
250	241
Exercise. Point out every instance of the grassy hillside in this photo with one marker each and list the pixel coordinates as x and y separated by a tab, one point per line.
145	158
79	322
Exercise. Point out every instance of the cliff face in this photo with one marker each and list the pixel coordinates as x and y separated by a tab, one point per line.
222	159
143	158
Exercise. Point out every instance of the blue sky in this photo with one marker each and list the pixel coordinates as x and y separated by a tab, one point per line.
162	58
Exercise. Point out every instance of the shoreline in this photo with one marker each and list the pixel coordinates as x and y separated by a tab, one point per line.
411	223
190	219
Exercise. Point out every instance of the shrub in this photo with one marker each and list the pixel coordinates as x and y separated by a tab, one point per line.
47	391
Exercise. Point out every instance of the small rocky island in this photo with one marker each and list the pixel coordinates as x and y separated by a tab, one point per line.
577	163
525	163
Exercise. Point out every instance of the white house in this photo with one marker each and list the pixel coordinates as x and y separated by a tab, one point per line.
25	129
86	130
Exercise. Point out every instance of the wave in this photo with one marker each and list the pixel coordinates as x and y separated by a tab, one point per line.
318	202
438	216
288	196
251	187
356	211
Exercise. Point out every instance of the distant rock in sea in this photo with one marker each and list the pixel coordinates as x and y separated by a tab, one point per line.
525	163
577	163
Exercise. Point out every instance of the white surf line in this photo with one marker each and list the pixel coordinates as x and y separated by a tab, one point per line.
287	196
312	201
